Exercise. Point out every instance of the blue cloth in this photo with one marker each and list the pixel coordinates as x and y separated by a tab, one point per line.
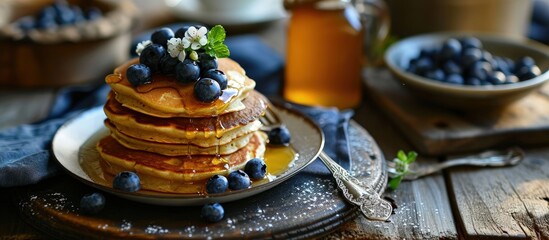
25	151
539	25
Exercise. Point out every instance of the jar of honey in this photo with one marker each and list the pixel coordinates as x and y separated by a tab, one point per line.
324	54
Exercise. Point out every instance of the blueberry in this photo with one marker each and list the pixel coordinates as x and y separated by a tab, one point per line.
511	79
480	70
218	76
168	64
47	13
496	78
92	203
78	14
451	49
207	90
424	64
161	36
217	184
256	168
473	81
152	55
187	71
451	67
503	65
487	56
139	74
470	56
126	181
212	212
206	62
180	33
428	53
528	72
93	13
26	23
470	42
64	14
524	62
279	136
454	79
239	180
436	74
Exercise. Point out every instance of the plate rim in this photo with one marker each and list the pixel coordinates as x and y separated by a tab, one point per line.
180	199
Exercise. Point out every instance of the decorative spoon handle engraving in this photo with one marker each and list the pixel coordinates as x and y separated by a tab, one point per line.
371	204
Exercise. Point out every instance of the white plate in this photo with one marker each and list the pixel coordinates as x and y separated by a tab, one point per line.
75	142
261	12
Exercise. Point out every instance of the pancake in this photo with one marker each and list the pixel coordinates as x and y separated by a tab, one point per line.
175	174
166	98
203	132
170	149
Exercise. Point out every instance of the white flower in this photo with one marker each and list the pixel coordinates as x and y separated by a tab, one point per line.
195	38
176	49
141	46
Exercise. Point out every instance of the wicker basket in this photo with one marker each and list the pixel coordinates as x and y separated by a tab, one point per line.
67	55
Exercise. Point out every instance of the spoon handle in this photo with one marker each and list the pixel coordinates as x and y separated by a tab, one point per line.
371	204
509	157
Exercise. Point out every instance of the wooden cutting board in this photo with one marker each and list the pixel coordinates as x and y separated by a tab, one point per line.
435	130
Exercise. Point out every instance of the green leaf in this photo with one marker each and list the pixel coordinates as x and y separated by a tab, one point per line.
221	50
395	182
216	35
401	155
411	157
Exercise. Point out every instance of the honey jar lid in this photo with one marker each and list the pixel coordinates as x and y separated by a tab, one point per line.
320	4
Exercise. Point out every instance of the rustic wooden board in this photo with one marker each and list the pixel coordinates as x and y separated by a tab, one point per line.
435	130
423	208
304	206
504	202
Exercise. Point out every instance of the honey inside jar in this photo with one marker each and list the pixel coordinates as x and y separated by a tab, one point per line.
324	55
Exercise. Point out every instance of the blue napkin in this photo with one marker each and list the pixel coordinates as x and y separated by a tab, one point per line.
539	25
25	151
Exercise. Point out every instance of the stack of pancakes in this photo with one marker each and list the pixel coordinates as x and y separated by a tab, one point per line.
173	141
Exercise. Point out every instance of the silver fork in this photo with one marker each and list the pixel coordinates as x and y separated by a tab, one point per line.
356	192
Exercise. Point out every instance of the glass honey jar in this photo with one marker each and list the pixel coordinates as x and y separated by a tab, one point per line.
324	53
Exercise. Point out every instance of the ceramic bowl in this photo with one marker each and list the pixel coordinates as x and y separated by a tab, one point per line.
67	55
466	97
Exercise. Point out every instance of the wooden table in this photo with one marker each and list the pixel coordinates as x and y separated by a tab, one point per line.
465	203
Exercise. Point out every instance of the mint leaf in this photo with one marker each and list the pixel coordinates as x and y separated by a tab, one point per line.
216	35
402	163
401	155
395	182
221	50
215	46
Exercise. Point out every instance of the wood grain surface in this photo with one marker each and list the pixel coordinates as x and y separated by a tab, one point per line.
437	131
504	202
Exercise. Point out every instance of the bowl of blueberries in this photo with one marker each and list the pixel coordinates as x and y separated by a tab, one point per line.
469	71
51	43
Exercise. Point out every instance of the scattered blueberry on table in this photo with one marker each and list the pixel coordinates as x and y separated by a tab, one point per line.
464	61
92	203
126	181
212	212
